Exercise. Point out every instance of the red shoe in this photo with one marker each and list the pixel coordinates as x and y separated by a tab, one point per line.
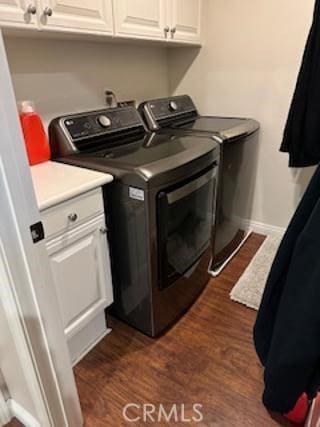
314	414
300	411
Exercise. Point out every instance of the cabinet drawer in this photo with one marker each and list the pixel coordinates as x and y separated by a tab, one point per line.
67	215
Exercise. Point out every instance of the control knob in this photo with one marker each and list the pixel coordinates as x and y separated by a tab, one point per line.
173	106
104	121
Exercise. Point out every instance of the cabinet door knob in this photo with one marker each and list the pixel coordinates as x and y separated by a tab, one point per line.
173	31
73	217
31	9
103	230
166	30
48	11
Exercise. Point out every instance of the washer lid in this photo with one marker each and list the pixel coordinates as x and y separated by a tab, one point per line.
152	156
155	154
179	112
228	128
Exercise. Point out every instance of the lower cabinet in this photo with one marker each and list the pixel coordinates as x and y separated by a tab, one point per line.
80	265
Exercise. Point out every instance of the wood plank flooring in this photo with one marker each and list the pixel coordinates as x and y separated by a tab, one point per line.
207	358
14	423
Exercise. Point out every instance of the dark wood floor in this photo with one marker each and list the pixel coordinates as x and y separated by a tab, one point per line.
14	423
207	358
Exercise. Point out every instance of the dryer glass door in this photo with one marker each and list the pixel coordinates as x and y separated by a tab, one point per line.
185	221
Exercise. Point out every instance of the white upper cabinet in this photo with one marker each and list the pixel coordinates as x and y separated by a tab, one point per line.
185	20
169	21
18	13
141	18
84	16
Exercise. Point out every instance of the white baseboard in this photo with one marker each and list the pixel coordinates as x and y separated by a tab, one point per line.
22	415
259	227
5	413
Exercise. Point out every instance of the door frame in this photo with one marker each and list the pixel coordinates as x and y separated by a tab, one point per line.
29	298
5	413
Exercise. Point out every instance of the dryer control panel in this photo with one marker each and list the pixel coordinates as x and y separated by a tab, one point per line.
159	111
84	131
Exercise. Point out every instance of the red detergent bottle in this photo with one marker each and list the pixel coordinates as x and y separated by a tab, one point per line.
35	138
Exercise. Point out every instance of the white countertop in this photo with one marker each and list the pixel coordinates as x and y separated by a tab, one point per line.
56	182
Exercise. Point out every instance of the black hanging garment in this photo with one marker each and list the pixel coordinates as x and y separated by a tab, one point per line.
287	329
302	132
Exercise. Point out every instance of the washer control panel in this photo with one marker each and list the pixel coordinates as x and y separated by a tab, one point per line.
96	123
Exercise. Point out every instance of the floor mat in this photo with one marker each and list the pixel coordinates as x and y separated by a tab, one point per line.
249	288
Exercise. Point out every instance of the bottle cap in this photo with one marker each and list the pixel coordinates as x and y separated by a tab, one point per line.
26	107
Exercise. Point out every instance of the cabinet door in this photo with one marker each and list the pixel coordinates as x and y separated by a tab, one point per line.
81	271
141	18
18	13
185	20
81	16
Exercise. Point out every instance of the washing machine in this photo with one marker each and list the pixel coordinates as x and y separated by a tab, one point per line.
159	209
237	138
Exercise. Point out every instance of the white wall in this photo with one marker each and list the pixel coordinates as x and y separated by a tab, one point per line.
248	67
66	76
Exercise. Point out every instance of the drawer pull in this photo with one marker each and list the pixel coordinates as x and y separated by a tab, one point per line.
73	217
103	230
